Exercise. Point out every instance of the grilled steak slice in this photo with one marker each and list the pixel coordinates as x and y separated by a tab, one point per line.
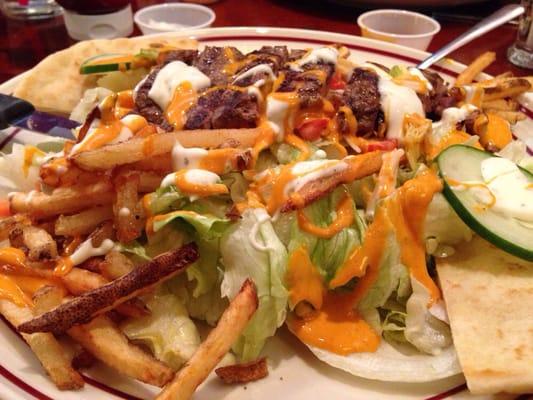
362	96
145	106
439	98
223	108
212	61
308	86
273	56
186	56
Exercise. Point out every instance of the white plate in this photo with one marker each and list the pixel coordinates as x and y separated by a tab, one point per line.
294	372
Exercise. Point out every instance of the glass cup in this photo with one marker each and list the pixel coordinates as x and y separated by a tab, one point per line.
30	9
521	52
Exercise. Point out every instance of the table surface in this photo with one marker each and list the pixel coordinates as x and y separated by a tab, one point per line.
23	44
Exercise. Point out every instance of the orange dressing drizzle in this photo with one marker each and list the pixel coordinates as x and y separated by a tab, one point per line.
345	218
303	279
29	153
149	145
19	288
496	133
188	187
454	137
218	160
184	97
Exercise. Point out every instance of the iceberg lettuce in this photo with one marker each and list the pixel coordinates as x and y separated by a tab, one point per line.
251	249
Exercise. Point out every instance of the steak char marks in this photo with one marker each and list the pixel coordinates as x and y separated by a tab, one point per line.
213	60
223	108
362	96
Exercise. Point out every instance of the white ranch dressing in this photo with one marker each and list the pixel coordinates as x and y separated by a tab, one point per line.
86	250
397	101
186	157
172	75
258	69
276	113
450	117
327	55
310	171
261	217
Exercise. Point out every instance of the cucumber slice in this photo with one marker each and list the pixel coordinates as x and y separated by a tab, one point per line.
106	63
463	164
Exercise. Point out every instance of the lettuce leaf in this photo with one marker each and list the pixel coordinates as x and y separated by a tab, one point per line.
167	331
422	329
327	254
242	259
206	226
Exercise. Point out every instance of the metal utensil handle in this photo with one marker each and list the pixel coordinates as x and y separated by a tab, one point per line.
500	17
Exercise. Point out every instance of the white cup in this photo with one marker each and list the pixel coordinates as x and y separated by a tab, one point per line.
402	27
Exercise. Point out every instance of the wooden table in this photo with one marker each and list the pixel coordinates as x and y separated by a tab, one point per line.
24	44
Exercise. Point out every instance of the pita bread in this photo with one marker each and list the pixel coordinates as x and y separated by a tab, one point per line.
55	84
489	297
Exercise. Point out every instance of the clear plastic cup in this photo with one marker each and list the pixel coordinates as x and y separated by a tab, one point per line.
30	9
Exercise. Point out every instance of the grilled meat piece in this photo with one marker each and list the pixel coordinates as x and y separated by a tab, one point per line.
186	56
212	61
308	86
362	96
439	98
273	56
223	108
145	106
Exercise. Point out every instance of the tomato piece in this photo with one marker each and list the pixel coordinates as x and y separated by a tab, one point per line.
311	129
336	82
4	208
383	145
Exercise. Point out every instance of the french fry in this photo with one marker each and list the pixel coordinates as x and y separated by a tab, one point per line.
116	265
8	223
501	105
109	296
161	163
137	149
46	298
37	243
216	345
359	166
149	181
127	197
46	348
63	200
506	88
511	116
476	67
494	80
243	373
82	223
79	281
102	338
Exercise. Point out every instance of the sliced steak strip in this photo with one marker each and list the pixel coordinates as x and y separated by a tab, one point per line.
145	106
212	61
223	108
362	96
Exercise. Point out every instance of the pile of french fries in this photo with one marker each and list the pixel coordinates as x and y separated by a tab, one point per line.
73	320
496	95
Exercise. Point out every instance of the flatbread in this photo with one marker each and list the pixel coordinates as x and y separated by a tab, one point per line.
55	84
489	298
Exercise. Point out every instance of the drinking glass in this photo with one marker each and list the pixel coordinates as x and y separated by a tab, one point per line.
521	52
30	9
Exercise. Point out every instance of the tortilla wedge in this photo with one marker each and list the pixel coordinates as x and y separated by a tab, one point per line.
57	77
489	297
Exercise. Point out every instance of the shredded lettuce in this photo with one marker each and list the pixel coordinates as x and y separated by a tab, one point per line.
167	331
242	259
